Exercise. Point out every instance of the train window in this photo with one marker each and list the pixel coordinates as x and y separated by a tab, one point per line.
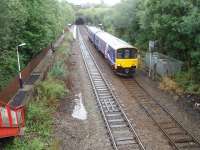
133	53
119	54
126	53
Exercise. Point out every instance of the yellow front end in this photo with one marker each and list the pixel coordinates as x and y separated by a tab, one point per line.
126	63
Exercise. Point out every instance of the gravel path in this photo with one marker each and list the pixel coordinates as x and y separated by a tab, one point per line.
73	133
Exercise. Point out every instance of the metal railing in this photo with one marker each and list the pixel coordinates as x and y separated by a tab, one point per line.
161	64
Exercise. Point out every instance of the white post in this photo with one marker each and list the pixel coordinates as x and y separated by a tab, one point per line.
19	69
150	63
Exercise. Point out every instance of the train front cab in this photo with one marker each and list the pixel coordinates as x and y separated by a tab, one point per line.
126	61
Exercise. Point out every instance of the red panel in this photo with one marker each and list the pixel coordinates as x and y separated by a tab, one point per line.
9	115
0	117
8	132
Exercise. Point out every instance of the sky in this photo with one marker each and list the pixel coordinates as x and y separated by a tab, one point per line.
108	2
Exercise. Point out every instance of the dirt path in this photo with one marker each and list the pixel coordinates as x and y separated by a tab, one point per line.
73	133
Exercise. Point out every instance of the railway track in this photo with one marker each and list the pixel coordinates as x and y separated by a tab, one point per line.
179	138
122	134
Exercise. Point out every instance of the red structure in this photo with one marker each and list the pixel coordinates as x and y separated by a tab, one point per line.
11	120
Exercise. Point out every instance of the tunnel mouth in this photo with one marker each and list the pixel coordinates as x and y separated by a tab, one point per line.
80	21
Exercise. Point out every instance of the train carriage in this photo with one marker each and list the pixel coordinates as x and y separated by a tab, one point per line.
121	55
92	31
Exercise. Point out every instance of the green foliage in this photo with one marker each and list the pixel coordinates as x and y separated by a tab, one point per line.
64	48
51	89
174	24
35	22
58	70
24	144
186	81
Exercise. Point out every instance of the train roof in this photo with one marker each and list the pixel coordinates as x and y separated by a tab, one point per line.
94	29
111	40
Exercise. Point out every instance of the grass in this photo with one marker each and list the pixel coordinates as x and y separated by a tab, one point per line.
187	83
40	110
181	83
168	84
58	70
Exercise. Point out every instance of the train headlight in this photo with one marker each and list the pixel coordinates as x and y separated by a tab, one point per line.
117	65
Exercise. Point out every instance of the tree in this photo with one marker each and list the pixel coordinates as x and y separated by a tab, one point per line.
35	22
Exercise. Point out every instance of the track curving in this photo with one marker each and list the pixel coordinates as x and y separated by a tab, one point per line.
122	134
178	137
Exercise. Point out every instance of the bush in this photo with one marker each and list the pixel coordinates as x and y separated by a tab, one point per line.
186	81
58	70
25	144
168	84
51	89
64	48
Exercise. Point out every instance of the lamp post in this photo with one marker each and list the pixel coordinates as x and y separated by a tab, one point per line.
19	67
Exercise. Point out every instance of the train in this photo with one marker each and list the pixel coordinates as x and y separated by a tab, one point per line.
122	56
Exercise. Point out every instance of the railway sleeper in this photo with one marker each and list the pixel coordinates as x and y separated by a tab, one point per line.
107	101
115	120
188	146
175	131
125	138
103	86
114	114
103	98
124	146
167	124
110	107
110	101
111	111
118	125
182	139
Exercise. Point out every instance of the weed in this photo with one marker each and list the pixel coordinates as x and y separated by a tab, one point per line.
168	84
185	80
51	89
58	70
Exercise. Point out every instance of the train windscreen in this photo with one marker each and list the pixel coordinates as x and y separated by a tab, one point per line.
127	53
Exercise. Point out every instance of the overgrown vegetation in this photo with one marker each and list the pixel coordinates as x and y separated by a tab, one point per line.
39	118
35	22
174	24
40	110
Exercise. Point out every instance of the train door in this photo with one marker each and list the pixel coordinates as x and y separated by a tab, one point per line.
106	52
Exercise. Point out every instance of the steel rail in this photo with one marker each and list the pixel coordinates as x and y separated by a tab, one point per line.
96	94
113	139
177	125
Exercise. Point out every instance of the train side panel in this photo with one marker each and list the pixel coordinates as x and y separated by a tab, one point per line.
110	55
105	49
